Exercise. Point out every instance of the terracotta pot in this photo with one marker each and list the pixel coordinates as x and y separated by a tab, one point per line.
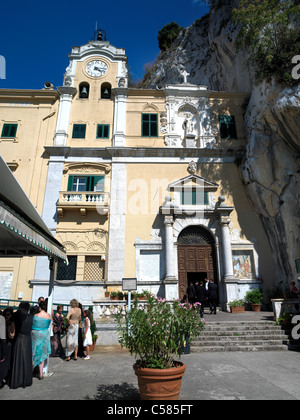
255	307
160	384
237	309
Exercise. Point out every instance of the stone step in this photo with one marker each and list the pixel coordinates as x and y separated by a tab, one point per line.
257	342
243	327
241	336
273	347
250	338
237	333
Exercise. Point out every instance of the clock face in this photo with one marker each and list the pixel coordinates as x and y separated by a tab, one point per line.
96	68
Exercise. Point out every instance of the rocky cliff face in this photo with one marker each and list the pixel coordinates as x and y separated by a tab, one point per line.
206	51
271	168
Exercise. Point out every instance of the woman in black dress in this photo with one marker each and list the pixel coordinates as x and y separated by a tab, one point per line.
21	370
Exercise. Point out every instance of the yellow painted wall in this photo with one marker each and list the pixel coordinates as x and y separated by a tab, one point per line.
151	181
35	113
92	110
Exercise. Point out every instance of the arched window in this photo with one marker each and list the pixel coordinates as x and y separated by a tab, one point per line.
106	91
84	90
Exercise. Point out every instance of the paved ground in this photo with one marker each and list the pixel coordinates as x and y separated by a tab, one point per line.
109	375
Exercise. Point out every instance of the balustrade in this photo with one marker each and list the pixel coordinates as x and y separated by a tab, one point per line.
84	197
104	311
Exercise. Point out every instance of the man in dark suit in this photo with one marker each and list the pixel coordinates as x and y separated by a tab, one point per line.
191	293
212	294
200	296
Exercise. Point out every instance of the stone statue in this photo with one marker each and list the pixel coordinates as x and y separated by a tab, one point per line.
188	125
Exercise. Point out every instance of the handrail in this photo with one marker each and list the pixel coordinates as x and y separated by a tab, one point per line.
4	303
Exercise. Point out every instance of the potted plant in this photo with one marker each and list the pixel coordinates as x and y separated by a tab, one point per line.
285	320
237	306
120	295
155	334
254	298
143	295
114	296
106	293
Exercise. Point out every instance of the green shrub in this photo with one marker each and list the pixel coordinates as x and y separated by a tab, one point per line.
235	303
254	296
167	35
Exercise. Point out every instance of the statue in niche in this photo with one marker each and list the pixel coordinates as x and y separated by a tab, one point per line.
188	126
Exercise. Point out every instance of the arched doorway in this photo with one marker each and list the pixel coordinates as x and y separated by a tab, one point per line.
196	257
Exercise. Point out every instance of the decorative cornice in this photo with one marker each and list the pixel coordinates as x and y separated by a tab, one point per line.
238	152
143	152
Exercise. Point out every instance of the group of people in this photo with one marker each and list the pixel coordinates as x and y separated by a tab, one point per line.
74	334
30	334
294	291
203	292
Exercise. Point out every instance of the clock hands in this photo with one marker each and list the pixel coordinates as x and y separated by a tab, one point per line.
96	68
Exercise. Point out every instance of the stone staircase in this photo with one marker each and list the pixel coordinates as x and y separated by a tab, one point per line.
243	336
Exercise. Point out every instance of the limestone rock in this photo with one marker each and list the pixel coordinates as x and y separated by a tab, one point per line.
270	169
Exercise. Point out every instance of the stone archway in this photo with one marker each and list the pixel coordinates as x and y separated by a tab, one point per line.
196	257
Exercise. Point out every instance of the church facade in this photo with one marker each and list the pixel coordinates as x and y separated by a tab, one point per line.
134	183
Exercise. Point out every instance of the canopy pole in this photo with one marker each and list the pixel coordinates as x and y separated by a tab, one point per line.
53	269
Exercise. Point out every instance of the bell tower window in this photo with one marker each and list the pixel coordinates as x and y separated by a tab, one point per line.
84	90
106	91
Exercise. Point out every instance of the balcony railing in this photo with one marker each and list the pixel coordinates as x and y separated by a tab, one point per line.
83	200
104	310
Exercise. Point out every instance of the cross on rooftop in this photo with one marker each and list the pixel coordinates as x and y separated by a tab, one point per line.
185	74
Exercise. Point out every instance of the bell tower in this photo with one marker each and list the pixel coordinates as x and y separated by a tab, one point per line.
95	71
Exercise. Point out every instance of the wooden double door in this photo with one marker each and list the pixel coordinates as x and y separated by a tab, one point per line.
195	262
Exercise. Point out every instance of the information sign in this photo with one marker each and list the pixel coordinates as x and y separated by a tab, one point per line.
129	284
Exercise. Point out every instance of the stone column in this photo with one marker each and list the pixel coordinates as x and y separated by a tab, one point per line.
63	118
169	247
170	281
226	246
49	216
116	241
229	288
120	116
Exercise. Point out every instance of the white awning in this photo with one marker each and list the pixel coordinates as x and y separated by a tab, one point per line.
22	230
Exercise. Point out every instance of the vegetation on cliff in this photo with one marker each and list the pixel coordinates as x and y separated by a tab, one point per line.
270	32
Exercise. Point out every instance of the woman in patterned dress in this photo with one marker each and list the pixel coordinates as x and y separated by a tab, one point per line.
73	318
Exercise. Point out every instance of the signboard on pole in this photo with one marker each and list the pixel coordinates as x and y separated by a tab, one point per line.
129	284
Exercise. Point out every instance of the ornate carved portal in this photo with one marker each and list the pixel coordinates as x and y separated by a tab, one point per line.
196	257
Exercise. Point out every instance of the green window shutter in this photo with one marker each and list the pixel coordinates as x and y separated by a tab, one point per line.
70	182
149	125
97	183
106	131
79	131
232	128
88	183
227	127
92	183
194	198
9	130
102	131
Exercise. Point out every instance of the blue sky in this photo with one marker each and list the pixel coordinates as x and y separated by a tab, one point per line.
36	36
